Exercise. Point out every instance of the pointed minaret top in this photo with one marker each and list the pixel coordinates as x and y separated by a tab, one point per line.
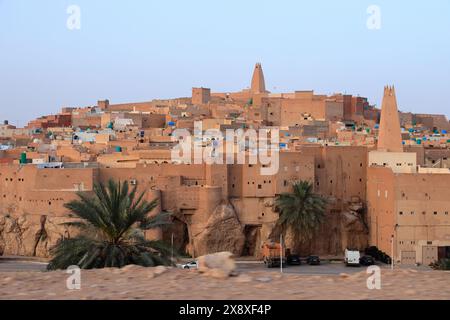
389	137
258	83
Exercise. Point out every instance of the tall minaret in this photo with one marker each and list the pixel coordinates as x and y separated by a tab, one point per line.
258	83
389	136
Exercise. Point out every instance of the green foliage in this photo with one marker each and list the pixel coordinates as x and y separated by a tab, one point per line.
112	225
443	264
301	211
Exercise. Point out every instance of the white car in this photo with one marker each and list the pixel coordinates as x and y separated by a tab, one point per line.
190	265
352	257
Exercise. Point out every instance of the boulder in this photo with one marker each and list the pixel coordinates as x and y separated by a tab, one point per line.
218	265
160	270
223	232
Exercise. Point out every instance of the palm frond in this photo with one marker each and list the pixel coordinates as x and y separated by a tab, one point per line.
111	230
301	211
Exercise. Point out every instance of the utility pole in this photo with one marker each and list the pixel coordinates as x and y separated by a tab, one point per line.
281	253
172	246
392	252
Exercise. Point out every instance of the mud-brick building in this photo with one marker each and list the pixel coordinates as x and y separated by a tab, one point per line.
408	206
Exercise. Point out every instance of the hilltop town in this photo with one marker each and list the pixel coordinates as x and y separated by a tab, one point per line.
384	173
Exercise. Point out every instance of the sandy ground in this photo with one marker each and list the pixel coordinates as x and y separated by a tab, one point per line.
135	282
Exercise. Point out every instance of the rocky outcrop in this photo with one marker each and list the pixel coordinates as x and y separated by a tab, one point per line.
31	235
354	228
341	229
223	232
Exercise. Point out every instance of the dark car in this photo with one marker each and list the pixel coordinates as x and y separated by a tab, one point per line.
366	261
293	259
378	254
313	260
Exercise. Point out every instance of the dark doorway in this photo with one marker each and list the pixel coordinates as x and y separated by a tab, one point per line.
179	229
443	253
252	237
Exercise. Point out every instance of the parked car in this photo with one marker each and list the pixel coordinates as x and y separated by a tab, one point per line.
352	257
367	260
190	265
378	254
293	259
313	260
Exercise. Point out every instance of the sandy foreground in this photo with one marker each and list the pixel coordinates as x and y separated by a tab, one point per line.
133	282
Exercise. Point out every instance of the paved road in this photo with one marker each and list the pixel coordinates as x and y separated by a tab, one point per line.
325	268
322	269
14	264
11	264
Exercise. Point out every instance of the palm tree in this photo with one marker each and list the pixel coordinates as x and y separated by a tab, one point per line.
112	225
301	211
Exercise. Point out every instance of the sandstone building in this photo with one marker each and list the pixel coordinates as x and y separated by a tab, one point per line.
380	179
408	205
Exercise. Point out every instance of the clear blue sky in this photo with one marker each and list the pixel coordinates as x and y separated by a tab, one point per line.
140	50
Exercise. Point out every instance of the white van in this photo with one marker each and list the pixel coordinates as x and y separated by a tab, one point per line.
352	257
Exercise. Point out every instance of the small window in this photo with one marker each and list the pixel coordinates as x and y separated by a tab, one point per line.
400	213
446	213
435	213
259	186
412	212
285	183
